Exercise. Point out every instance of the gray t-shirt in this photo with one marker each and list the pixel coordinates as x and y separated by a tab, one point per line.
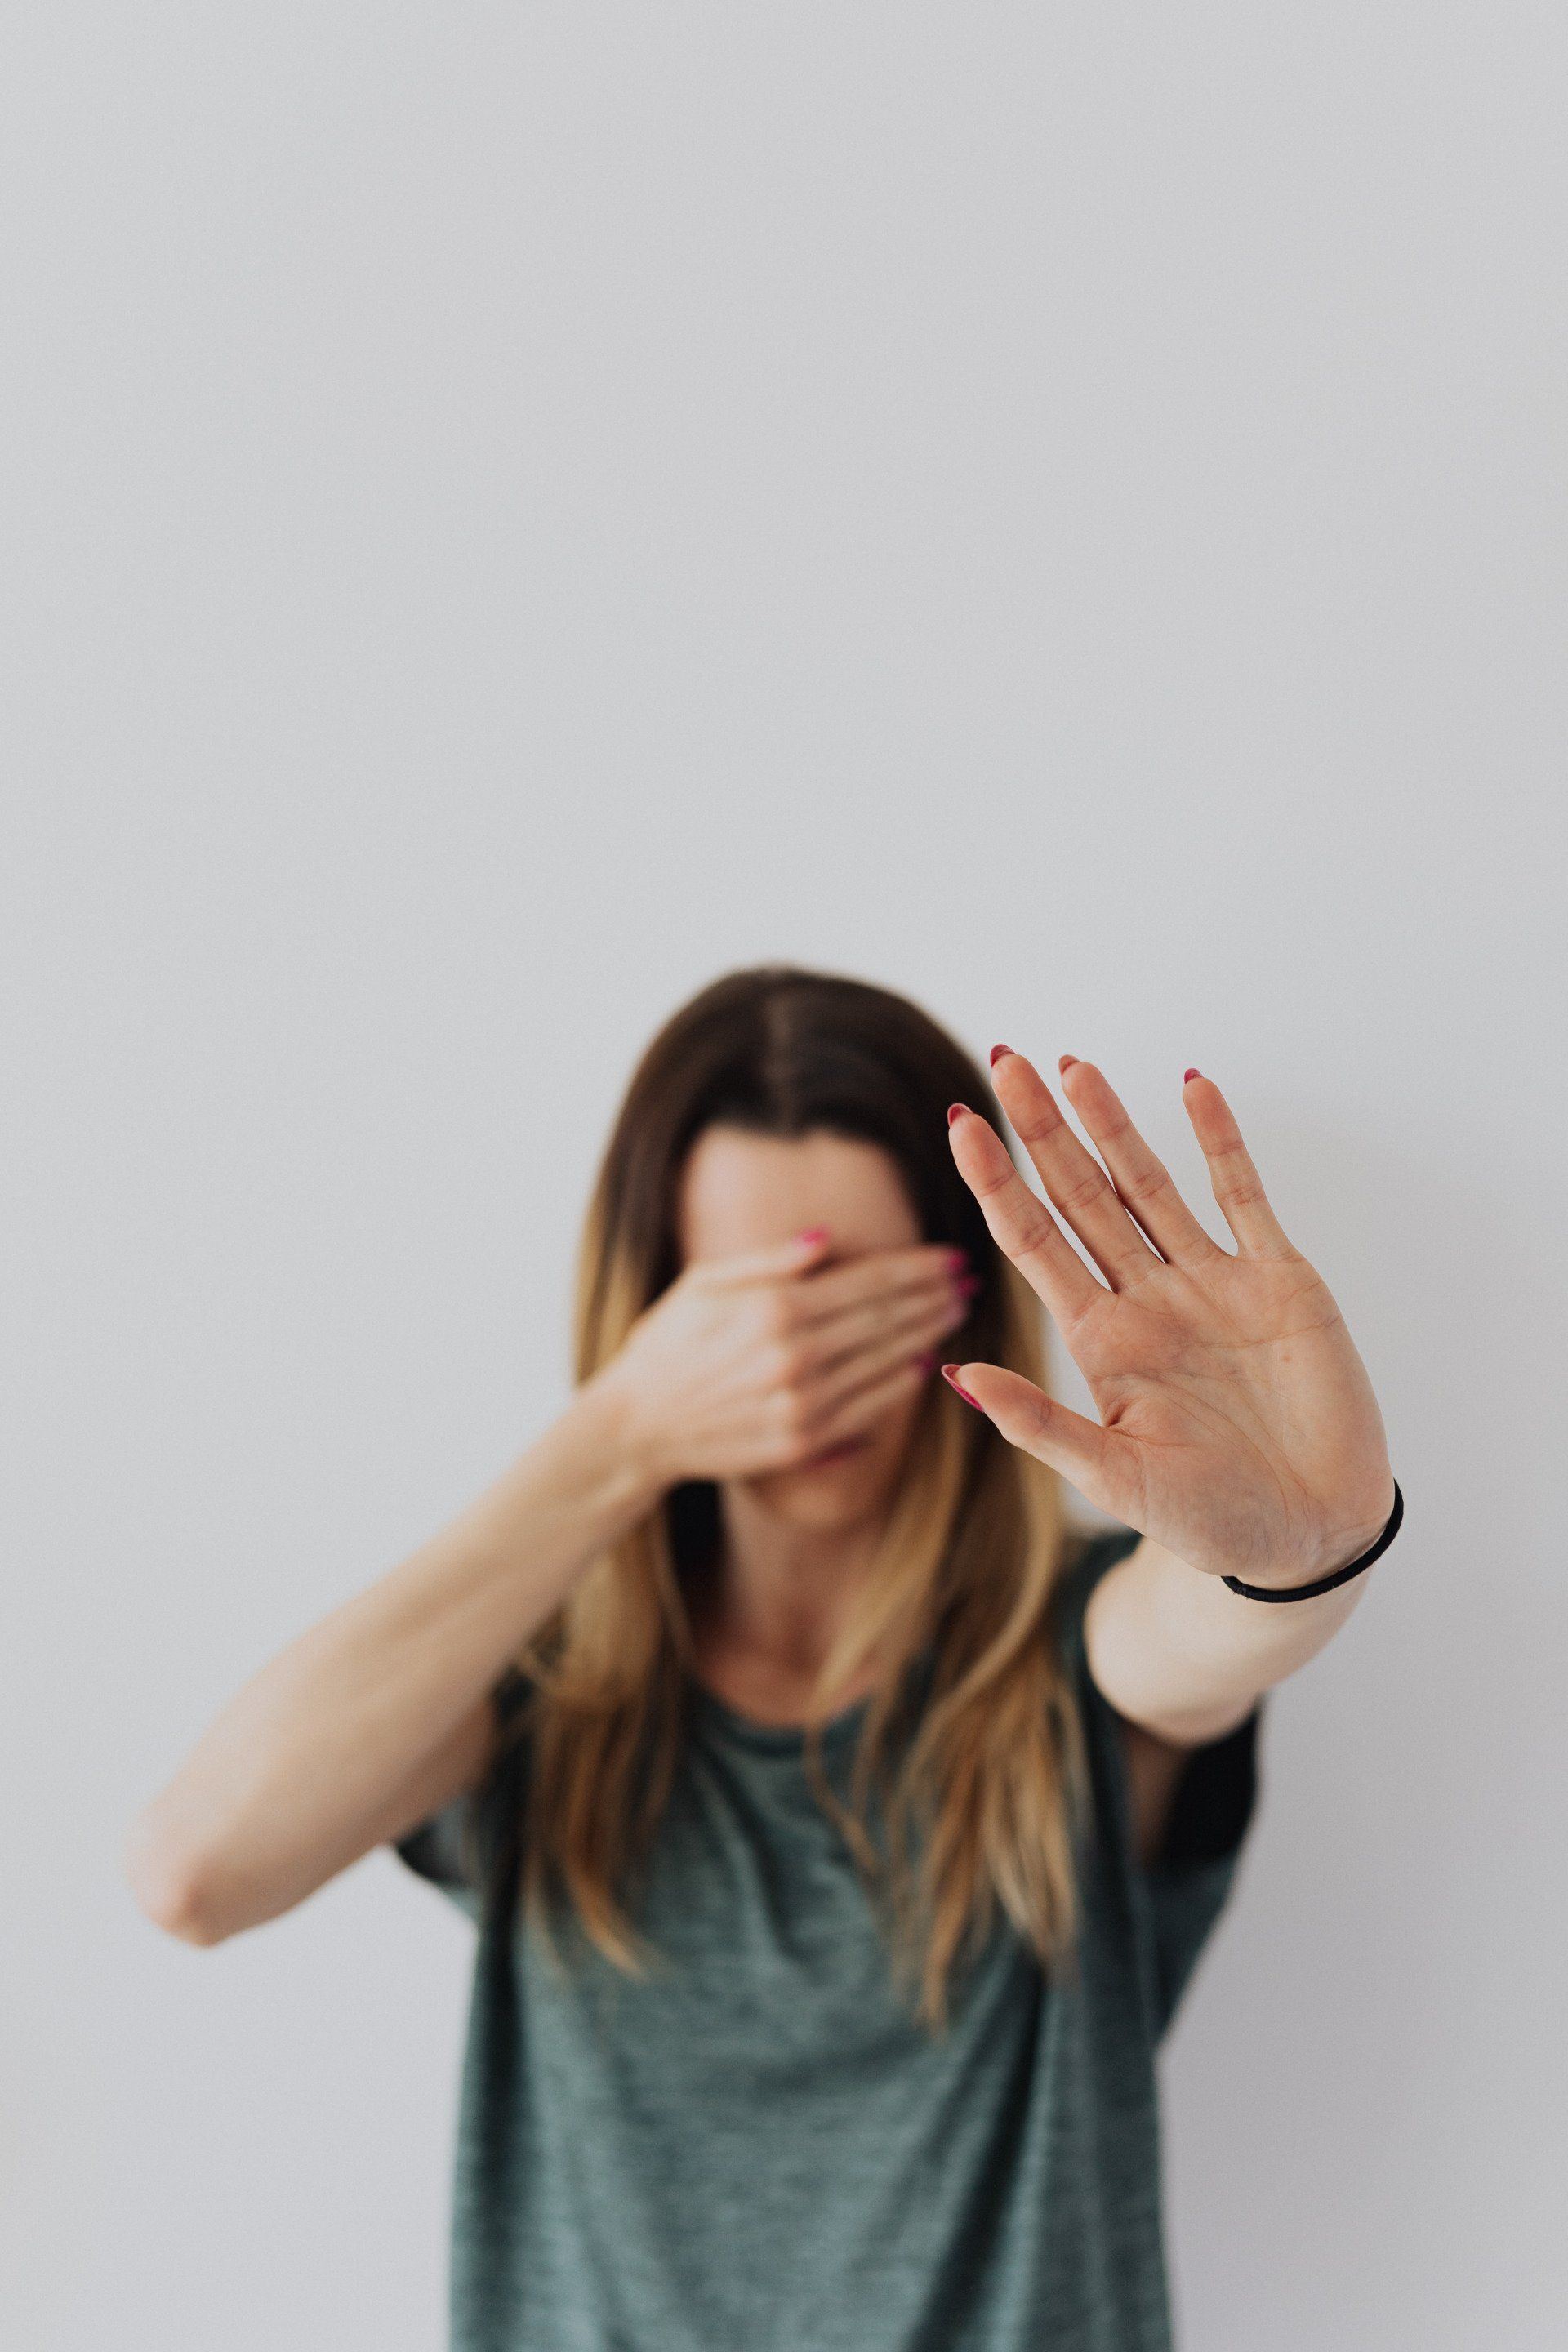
761	2149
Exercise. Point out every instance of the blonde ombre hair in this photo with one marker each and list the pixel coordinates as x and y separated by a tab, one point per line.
978	1777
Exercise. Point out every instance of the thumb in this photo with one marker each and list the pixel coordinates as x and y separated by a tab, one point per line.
1035	1422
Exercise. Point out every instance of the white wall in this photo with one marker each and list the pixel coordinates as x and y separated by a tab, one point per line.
511	512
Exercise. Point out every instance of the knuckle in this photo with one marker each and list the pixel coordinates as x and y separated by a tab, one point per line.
1083	1190
1040	1126
1001	1175
1146	1181
771	1316
1236	1179
1034	1233
794	1416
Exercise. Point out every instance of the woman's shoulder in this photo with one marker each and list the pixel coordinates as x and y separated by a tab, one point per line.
1086	1554
461	1845
1106	1540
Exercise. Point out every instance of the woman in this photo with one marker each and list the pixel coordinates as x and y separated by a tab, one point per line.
840	1827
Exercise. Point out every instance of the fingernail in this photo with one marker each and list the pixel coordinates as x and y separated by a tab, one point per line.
813	1233
958	1259
967	1285
950	1374
1066	1061
926	1363
955	1110
997	1052
1190	1074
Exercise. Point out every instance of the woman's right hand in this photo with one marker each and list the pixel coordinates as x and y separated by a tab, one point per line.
751	1364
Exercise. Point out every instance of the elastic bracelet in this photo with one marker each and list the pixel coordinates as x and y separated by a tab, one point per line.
1325	1584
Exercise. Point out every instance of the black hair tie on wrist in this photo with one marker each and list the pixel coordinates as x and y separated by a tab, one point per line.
1325	1584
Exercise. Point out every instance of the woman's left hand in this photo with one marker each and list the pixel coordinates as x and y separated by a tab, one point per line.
1238	1428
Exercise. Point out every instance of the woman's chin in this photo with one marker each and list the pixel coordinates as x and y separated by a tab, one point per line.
833	1488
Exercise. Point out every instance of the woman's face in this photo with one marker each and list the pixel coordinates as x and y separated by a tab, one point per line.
741	1191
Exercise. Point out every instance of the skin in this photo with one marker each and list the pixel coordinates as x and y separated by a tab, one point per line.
1238	1428
794	1538
774	1347
785	1363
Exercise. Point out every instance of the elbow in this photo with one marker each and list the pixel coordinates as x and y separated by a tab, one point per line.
175	1890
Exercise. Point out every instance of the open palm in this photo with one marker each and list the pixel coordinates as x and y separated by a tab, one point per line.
1238	1428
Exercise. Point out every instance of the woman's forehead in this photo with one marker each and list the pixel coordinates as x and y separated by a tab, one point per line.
741	1190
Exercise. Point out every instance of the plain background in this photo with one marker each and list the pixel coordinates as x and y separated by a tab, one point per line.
509	513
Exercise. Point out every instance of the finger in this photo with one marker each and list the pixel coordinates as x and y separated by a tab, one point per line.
1074	1179
943	1305
1020	1225
1237	1186
1142	1183
865	1406
1035	1424
875	1277
775	1263
824	1391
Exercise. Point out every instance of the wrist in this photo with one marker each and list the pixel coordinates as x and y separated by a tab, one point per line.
1343	1549
1349	1543
606	1428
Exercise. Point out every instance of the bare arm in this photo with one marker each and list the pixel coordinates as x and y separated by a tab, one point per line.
1184	1660
1187	1658
1239	1431
380	1713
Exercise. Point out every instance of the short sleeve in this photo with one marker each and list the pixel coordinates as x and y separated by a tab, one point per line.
1178	1897
462	1848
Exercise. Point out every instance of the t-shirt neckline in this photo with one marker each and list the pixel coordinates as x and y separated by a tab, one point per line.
769	1738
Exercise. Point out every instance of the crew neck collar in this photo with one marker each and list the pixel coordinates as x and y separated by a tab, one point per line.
716	1715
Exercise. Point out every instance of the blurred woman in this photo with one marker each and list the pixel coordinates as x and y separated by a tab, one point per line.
839	1825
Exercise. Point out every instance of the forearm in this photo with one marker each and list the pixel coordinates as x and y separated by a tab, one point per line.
1175	1649
293	1781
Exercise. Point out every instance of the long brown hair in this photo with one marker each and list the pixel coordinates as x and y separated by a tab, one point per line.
986	1763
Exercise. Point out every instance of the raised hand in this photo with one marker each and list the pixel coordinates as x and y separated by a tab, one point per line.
751	1364
1238	1428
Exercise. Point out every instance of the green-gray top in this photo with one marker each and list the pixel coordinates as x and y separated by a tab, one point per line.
761	2149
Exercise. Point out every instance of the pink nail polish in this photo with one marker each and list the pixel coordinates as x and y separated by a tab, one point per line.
967	1285
950	1374
926	1363
958	1259
955	1110
997	1052
813	1233
1066	1061
1190	1074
